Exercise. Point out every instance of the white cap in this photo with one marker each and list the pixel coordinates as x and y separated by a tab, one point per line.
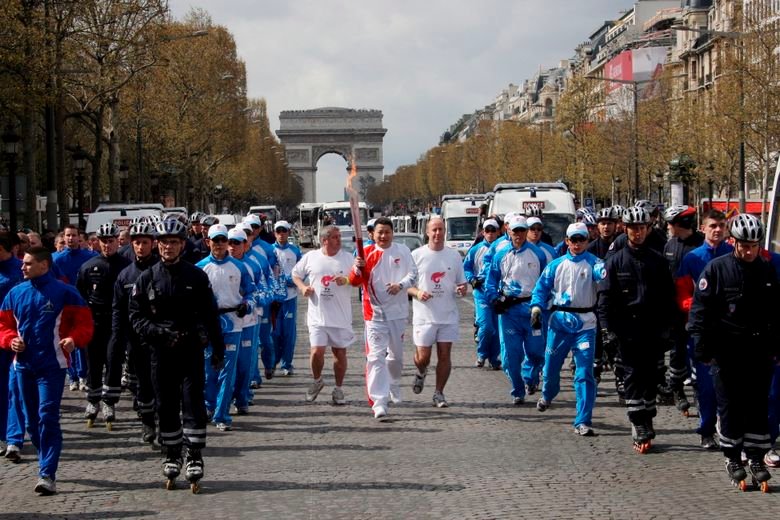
253	220
282	224
534	220
518	222
509	216
490	222
247	227
370	223
578	228
237	233
218	230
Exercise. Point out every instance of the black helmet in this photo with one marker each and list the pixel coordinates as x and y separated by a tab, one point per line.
209	220
171	228
142	229
196	217
636	215
746	228
107	230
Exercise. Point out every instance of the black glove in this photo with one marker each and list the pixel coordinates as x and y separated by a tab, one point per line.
476	283
609	340
217	359
173	338
499	305
242	310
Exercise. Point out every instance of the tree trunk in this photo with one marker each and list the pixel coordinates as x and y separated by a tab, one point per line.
28	168
113	149
97	160
59	144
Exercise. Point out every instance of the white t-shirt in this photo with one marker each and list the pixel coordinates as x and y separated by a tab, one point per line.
438	273
331	304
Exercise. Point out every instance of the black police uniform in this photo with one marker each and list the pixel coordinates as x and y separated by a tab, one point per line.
674	251
126	343
636	303
732	325
95	282
173	309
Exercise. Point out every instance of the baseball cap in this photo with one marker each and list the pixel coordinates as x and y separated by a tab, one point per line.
253	220
534	220
370	224
578	228
282	224
218	230
237	233
490	222
518	222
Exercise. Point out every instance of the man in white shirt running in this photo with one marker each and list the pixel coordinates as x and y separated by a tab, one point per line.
329	316
386	273
440	278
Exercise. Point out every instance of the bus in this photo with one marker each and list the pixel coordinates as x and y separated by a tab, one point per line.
553	198
339	214
307	222
461	214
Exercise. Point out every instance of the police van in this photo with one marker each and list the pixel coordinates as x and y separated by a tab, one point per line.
121	214
461	214
553	198
339	214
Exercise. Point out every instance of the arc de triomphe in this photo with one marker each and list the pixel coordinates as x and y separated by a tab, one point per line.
307	135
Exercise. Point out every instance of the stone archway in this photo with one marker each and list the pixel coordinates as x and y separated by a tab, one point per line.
307	135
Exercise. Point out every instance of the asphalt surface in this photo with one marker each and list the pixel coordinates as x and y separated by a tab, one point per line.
480	458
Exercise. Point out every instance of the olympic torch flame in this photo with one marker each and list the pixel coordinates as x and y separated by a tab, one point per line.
355	208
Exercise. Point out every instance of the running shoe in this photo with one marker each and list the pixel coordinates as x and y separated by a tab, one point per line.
439	401
45	486
419	382
314	390
338	396
584	430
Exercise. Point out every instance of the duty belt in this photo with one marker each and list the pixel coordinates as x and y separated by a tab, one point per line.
579	310
514	300
227	310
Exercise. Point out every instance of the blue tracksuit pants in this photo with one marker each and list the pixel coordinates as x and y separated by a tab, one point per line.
582	345
78	365
244	365
285	333
488	345
16	421
6	356
41	393
518	340
220	385
705	394
265	345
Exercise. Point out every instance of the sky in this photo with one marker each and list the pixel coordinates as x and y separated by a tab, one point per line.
423	63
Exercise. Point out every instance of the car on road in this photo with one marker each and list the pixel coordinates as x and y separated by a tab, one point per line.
410	240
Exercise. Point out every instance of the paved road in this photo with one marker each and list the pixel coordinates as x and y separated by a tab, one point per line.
480	458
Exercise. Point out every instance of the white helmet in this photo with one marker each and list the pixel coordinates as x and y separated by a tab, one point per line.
746	228
636	215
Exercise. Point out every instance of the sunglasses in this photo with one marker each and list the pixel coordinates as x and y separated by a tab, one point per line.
219	240
520	230
235	242
282	230
536	228
490	229
577	239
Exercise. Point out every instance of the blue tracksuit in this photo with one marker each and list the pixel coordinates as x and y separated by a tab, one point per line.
686	279
266	250
285	325
10	275
42	311
65	266
570	282
513	272
264	342
488	346
232	285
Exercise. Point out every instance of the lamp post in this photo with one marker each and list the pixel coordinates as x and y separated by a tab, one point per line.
616	188
10	149
79	160
123	175
659	178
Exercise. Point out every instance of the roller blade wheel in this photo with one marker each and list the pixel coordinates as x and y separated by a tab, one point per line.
642	447
109	425
195	487
764	486
90	422
740	484
170	484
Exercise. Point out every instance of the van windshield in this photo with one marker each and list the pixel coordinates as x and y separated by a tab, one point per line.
555	225
461	228
342	217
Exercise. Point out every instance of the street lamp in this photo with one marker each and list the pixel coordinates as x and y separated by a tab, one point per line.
10	149
616	189
123	175
659	178
79	161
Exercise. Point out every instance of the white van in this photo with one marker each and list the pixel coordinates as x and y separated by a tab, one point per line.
270	211
339	214
120	214
461	220
553	198
307	222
